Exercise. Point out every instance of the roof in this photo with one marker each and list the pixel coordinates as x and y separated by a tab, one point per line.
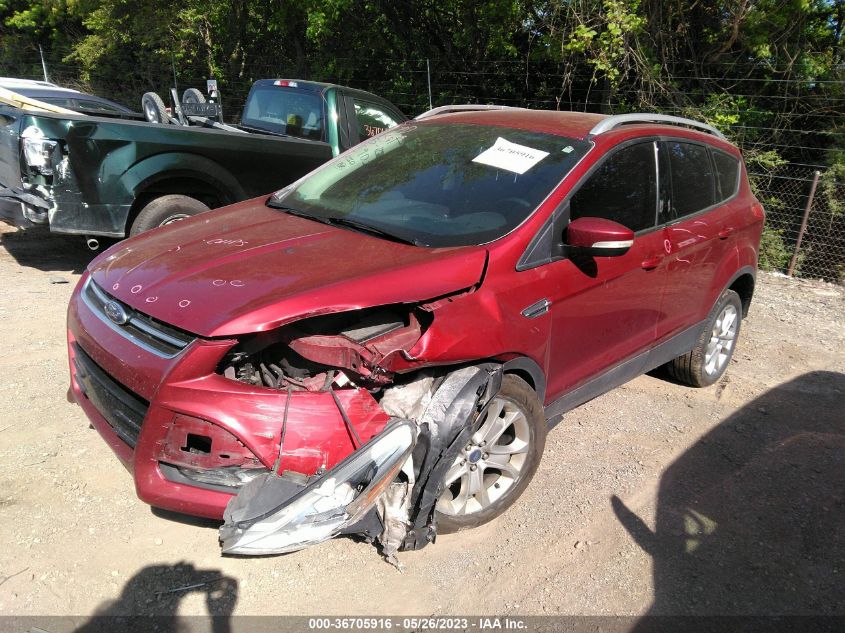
570	124
301	84
46	91
580	125
14	82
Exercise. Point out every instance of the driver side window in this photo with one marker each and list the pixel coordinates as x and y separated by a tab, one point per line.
623	189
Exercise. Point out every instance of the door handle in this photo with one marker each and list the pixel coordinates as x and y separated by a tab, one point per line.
536	309
726	232
652	262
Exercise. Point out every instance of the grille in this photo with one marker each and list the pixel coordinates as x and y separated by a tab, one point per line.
122	409
152	335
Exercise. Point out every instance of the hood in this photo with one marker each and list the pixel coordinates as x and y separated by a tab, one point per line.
248	268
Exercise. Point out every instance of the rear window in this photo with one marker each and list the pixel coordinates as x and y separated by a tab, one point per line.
693	185
727	174
285	111
86	105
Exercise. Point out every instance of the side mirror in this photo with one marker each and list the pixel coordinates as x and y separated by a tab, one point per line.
598	237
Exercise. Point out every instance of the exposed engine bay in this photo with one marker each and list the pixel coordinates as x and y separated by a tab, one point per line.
311	354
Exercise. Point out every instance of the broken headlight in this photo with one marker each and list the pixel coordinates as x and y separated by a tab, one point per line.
269	517
38	151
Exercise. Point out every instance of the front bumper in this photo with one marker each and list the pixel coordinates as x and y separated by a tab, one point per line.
183	396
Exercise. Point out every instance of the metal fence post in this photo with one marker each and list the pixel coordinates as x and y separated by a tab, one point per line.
428	74
803	228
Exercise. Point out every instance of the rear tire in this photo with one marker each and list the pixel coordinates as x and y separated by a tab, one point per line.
165	210
153	108
707	361
516	444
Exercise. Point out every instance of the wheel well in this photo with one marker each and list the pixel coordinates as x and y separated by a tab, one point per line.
521	373
191	187
744	287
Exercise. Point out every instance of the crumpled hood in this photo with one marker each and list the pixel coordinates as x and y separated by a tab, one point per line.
249	268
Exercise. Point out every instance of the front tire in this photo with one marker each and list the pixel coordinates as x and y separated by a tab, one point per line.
707	361
166	210
499	462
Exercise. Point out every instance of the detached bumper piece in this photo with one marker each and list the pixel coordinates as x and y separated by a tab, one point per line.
278	514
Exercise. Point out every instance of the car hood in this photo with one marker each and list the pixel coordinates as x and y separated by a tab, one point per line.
249	268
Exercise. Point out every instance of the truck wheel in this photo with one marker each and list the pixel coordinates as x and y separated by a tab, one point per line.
499	461
153	107
166	210
192	95
708	360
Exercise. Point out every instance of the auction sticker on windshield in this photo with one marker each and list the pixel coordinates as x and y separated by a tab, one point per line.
510	156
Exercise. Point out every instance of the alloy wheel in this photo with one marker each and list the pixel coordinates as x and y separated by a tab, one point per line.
490	464
722	340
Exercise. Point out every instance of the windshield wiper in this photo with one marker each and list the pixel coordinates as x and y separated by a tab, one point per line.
335	221
366	228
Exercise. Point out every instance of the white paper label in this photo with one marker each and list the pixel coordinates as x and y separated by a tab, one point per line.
510	156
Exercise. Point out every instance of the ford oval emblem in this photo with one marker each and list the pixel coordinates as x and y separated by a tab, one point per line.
116	312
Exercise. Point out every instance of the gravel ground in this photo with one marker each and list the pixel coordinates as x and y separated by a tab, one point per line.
654	498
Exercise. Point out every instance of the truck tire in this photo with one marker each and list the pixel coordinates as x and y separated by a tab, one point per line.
192	95
165	210
512	436
153	108
707	361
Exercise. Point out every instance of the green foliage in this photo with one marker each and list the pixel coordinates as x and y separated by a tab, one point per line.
774	255
832	188
605	38
770	74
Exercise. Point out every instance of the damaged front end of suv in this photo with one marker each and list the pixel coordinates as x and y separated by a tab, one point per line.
387	487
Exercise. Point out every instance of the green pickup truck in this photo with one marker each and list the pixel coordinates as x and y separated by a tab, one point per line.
106	177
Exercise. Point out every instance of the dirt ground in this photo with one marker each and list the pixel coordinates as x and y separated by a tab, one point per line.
654	498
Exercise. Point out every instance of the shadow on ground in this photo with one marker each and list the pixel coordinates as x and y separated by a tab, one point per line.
751	519
40	249
150	600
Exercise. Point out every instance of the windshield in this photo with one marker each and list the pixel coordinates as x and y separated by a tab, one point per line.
438	185
283	110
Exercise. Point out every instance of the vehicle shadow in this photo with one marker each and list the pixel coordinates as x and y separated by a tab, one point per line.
186	519
42	250
150	602
751	519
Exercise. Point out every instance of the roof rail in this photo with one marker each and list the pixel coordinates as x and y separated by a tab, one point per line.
468	107
613	122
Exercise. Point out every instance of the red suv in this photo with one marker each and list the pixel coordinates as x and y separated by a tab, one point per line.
381	347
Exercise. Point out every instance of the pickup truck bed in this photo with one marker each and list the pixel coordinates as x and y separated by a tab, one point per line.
99	174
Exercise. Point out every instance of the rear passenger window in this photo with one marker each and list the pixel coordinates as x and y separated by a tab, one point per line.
623	189
727	174
693	185
372	119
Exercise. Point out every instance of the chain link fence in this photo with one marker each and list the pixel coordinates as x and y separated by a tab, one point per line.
804	234
816	251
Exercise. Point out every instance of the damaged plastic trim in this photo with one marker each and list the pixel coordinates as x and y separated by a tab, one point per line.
449	421
273	515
